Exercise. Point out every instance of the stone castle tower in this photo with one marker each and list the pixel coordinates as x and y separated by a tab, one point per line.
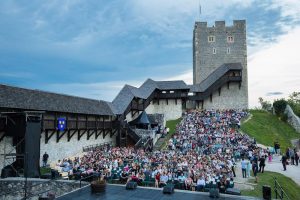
213	47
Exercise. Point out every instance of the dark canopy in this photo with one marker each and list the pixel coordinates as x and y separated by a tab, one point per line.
142	119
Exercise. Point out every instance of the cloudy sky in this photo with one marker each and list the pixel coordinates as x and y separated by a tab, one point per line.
92	48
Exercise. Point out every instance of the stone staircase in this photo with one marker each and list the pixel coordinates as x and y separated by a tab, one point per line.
158	144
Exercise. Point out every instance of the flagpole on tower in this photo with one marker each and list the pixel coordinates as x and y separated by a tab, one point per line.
199	10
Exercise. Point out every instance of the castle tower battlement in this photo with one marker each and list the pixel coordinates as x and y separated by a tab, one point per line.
216	45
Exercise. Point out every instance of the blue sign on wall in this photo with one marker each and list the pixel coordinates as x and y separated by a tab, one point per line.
61	126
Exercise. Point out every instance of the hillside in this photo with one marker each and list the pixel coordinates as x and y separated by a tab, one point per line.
266	128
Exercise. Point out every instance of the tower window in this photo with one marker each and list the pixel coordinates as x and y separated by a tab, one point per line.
211	38
228	50
214	50
230	39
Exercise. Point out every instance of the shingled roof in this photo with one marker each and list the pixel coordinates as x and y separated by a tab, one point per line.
127	93
214	76
20	98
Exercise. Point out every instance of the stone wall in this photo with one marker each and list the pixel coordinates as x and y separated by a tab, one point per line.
65	149
6	147
231	98
130	117
158	118
293	119
171	110
11	188
205	61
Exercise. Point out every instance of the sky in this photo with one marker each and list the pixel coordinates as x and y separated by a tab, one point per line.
92	48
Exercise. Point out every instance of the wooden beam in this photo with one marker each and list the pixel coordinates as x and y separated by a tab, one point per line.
48	136
219	91
113	132
59	136
77	121
105	133
90	133
70	135
81	134
98	134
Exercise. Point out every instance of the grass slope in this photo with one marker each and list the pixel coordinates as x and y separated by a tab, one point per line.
266	128
289	186
171	124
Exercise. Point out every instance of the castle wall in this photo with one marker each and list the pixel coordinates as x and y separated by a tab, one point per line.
130	117
65	149
171	110
231	98
206	61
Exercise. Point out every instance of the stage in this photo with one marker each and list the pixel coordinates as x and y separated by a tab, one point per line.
118	192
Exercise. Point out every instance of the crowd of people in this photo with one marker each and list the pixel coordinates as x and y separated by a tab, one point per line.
202	152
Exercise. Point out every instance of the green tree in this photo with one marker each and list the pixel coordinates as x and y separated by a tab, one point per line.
279	105
266	105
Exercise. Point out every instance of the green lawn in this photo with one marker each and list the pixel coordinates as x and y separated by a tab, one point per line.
266	128
172	126
289	186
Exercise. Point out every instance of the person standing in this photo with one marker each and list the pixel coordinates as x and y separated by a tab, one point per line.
244	167
255	170
283	161
292	155
45	159
249	166
231	166
269	157
262	164
296	157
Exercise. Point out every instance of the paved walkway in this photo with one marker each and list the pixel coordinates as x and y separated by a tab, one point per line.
240	182
292	171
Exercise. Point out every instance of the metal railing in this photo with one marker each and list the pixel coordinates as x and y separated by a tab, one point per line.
279	192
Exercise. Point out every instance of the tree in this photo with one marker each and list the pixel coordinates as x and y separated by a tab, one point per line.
266	105
279	105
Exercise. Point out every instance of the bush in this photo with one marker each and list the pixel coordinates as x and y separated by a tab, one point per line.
279	106
284	117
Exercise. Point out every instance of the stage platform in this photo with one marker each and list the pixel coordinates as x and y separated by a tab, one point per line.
118	192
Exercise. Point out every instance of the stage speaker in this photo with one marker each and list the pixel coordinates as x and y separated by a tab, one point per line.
214	193
32	148
266	192
131	185
46	176
233	191
54	174
168	189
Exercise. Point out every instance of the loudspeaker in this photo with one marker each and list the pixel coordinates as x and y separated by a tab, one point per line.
46	176
233	191
54	174
168	189
266	192
214	193
131	185
32	148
